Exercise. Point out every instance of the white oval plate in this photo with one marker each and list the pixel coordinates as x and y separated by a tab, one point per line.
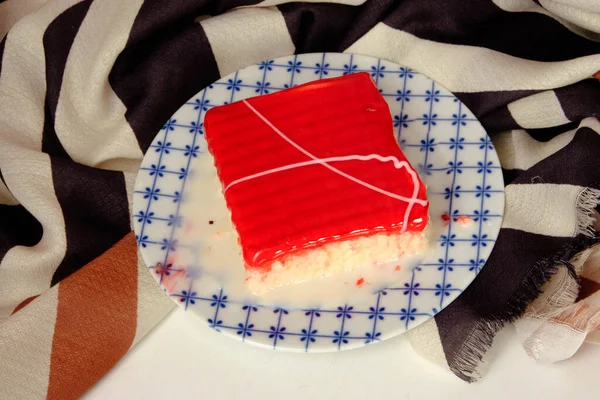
440	137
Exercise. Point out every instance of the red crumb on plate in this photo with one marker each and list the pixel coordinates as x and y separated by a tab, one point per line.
398	268
464	220
446	219
171	279
360	282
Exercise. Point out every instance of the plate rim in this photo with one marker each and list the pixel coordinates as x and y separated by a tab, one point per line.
352	344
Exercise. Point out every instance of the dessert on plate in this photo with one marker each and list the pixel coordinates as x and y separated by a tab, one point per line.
315	181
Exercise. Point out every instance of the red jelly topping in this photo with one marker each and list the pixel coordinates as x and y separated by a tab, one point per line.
313	164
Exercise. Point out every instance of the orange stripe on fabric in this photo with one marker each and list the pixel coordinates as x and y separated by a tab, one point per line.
24	303
96	320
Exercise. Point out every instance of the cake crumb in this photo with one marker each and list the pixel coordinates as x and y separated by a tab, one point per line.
446	219
360	282
397	268
464	220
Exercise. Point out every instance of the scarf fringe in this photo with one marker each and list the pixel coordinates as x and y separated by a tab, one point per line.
466	362
587	201
561	291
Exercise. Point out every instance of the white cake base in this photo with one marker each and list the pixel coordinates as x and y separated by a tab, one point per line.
334	258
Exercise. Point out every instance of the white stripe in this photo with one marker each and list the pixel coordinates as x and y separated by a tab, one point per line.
26	348
587	5
120	164
23	77
13	10
90	118
153	305
544	209
541	110
425	339
470	68
27	271
518	150
592	123
576	13
247	36
530	6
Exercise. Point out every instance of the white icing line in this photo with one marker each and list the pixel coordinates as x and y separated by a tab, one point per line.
413	199
397	164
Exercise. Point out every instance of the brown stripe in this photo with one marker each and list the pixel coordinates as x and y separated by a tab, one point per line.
510	175
166	61
587	287
17	228
58	39
96	212
96	321
527	35
546	134
512	261
580	100
24	303
491	108
313	30
485	103
2	44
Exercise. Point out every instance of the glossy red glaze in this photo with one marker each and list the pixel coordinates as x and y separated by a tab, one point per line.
306	206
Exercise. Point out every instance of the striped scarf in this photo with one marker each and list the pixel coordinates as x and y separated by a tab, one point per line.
85	86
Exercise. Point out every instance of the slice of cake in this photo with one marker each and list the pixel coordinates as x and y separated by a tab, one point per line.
315	181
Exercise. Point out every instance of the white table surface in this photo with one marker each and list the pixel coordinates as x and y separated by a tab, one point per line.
184	359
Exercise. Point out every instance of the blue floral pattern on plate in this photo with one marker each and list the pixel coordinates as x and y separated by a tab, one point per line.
438	134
